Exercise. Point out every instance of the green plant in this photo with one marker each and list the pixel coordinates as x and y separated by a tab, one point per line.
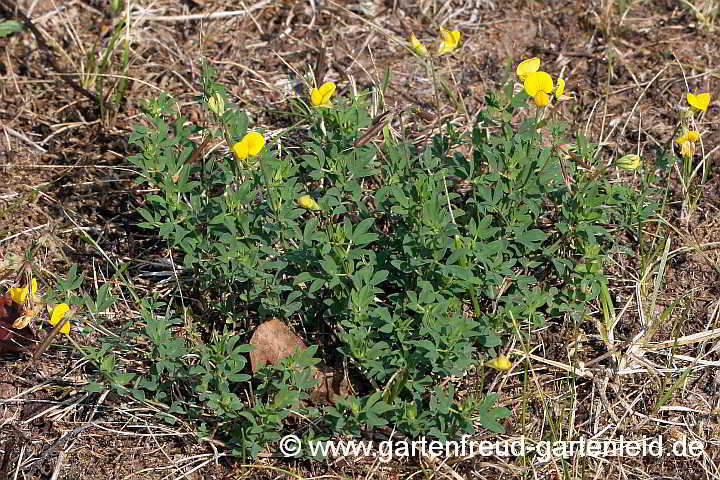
686	143
705	13
409	262
8	27
102	66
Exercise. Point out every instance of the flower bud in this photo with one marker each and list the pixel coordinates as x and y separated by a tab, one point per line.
500	362
216	104
417	46
629	162
307	202
687	149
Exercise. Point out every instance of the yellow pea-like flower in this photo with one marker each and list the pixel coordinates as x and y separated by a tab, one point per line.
320	97
699	102
20	294
687	149
526	67
687	142
417	46
560	90
538	82
57	314
249	146
691	136
500	362
450	40
542	99
307	202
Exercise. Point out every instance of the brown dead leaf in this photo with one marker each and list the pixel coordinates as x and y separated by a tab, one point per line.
13	340
274	340
332	384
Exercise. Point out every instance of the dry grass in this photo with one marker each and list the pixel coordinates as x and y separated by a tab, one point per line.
63	175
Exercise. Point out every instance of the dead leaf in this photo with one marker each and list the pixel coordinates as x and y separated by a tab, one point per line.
332	384
274	340
13	340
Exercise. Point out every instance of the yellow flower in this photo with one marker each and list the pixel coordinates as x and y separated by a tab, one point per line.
417	46
20	294
450	40
499	363
700	101
526	67
560	90
249	146
538	82
57	315
629	162
687	149
542	99
307	202
539	85
691	136
320	97
687	142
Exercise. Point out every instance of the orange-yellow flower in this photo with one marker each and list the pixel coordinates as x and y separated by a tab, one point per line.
249	146
24	296
560	90
699	102
542	99
320	97
687	149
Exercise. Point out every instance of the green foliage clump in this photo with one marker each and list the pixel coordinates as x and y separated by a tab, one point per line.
415	262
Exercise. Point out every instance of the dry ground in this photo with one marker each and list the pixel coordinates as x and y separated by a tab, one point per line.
63	170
